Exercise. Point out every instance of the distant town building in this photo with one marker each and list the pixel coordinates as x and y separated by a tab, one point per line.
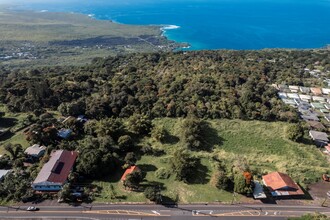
320	138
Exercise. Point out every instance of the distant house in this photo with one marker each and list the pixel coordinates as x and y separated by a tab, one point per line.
327	106
293	95
320	138
280	184
315	125
324	110
305	98
35	151
325	91
55	172
3	173
129	170
316	91
64	133
294	89
318	98
317	105
289	102
282	95
304	90
310	117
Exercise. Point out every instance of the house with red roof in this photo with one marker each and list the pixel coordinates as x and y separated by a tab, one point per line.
280	184
55	172
129	170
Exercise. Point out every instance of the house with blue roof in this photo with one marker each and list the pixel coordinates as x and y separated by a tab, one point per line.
64	133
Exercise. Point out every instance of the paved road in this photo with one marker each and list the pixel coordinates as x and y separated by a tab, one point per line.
182	212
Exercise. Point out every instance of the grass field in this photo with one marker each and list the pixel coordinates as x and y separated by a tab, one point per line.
12	121
262	144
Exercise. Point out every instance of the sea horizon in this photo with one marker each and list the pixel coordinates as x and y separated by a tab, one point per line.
223	24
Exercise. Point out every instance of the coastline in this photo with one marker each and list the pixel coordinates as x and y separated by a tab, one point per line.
162	27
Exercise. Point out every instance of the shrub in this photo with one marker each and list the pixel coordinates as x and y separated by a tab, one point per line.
162	173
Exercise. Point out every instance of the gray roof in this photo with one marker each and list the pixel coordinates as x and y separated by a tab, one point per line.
310	117
35	149
3	173
317	135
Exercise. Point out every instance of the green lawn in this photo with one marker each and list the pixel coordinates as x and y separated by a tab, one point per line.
262	144
14	122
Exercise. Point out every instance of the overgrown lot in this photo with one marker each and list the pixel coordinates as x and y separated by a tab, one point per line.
262	144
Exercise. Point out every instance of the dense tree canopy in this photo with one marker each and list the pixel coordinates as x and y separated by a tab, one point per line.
207	84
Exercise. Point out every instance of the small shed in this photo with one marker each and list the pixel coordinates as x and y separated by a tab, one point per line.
35	151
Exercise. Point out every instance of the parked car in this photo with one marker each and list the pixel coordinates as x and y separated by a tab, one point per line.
326	177
32	208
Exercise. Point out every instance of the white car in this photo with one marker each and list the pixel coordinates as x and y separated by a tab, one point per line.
32	208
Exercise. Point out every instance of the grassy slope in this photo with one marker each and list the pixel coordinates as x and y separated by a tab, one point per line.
263	144
12	120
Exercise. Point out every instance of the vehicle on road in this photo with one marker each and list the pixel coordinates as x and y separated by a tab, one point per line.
32	208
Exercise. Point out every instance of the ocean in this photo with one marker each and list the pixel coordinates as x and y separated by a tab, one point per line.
214	24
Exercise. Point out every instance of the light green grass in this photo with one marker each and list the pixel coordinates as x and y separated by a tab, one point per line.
262	144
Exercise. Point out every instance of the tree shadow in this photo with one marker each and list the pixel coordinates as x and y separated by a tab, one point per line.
170	139
210	137
200	175
306	141
6	135
147	167
169	202
8	122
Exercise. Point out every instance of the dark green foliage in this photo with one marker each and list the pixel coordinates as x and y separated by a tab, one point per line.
133	180
240	184
130	159
183	165
163	173
152	194
207	84
139	124
65	194
295	132
158	133
220	180
94	159
15	186
15	151
191	133
125	143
